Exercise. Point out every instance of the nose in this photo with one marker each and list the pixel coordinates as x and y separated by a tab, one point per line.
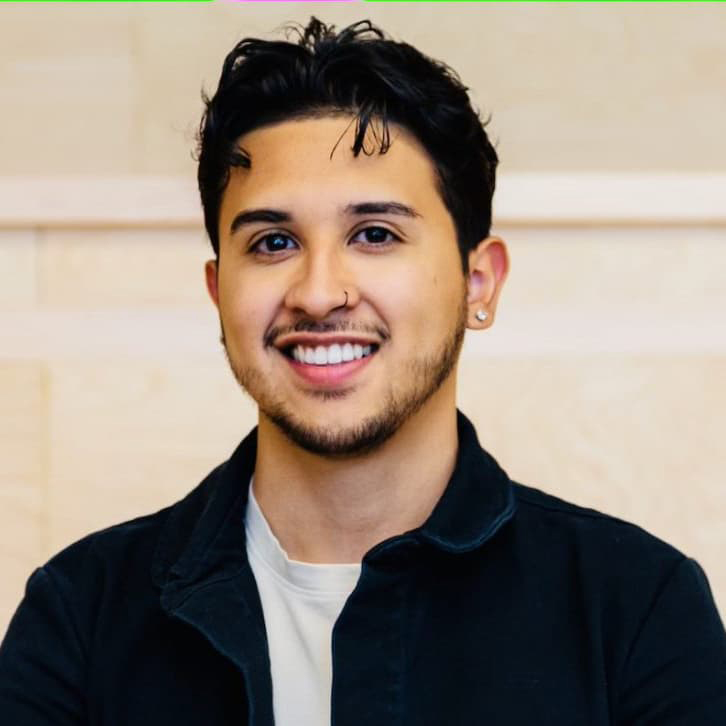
321	285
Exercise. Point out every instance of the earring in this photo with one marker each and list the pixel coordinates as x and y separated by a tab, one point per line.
481	315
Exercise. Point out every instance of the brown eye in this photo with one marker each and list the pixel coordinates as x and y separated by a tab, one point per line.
377	236
271	243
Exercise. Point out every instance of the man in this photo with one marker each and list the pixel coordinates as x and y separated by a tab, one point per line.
359	559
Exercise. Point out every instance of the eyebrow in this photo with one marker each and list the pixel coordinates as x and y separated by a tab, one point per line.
250	216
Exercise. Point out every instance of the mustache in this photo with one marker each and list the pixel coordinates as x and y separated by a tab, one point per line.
313	326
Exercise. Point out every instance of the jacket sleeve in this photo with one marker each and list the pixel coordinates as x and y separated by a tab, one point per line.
676	670
41	660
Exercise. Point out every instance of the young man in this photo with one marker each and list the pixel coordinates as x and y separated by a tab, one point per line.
360	559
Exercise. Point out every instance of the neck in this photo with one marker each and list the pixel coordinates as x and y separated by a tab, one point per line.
325	510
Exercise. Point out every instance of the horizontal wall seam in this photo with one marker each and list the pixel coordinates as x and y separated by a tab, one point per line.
546	199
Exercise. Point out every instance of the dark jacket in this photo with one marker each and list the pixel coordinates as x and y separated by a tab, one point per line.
507	607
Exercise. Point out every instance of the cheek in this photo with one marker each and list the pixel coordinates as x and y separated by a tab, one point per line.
417	305
393	290
245	311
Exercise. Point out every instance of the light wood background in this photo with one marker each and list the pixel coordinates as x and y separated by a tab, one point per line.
602	380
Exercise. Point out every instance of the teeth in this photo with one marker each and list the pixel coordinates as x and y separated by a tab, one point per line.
321	355
335	354
330	355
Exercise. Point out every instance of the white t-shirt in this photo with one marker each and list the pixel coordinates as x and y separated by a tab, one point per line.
301	602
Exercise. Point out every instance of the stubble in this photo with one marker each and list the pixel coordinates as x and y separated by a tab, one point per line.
425	376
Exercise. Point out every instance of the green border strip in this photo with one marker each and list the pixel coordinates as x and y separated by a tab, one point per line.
552	2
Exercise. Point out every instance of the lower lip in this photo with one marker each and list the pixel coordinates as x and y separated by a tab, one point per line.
328	375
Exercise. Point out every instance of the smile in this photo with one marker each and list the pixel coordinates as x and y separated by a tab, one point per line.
329	365
330	355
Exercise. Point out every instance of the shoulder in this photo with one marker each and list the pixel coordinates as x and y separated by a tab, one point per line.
605	546
641	605
624	574
125	544
537	506
126	551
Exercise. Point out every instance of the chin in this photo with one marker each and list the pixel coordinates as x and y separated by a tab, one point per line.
336	438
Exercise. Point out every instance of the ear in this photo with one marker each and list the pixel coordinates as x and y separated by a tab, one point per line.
211	271
488	269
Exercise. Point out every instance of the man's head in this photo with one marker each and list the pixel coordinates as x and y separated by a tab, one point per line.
356	71
322	252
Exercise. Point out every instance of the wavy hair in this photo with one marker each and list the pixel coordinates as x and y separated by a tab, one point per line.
358	71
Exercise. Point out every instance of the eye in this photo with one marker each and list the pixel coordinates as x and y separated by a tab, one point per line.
271	243
376	236
277	242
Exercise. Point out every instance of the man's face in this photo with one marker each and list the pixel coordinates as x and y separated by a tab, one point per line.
282	283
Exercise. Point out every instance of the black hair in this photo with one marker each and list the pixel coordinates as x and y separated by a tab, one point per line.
361	72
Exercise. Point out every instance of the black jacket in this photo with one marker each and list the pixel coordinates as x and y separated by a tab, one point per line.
507	607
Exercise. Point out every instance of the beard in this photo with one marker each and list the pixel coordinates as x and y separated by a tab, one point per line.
425	375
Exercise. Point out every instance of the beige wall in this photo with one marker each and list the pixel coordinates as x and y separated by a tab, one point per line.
601	382
115	88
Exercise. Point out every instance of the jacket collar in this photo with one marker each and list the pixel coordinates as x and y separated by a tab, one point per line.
203	539
478	500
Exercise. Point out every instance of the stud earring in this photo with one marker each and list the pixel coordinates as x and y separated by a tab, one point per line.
481	315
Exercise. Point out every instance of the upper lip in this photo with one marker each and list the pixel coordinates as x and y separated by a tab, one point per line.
310	340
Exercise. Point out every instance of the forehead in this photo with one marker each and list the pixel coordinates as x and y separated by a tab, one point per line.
310	162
